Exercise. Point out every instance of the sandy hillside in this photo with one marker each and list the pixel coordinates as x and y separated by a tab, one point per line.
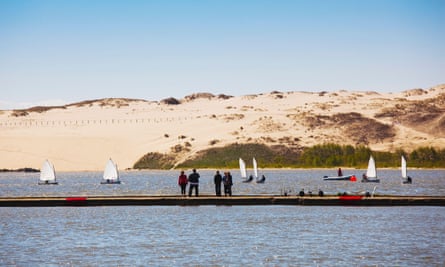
82	136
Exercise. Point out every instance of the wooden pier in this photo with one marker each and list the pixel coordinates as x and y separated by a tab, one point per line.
216	201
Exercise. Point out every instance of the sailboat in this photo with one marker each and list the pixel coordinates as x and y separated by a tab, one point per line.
242	168
255	172
111	175
405	178
371	172
47	174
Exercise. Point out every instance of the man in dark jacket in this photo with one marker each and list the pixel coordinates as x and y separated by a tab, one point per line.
194	183
227	179
217	180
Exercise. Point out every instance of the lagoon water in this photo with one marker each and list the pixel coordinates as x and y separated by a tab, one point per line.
221	235
425	182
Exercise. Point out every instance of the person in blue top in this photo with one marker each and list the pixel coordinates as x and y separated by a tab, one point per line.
194	183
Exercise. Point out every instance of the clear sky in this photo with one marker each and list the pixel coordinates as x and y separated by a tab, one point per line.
56	52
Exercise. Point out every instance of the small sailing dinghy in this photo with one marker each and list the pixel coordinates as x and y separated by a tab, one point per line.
255	172
371	173
405	178
242	168
47	174
111	175
340	177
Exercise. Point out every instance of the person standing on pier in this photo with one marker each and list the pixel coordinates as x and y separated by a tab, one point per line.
227	179
194	183
217	180
182	182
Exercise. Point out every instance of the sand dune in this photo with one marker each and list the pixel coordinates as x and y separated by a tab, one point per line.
82	136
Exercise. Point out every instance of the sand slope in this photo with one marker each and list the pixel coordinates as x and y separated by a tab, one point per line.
83	136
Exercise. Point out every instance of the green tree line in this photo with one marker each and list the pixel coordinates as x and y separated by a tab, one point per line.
332	155
318	156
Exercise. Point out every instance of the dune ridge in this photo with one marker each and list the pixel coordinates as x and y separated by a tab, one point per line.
82	136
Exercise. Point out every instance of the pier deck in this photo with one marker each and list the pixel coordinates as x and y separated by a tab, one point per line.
212	200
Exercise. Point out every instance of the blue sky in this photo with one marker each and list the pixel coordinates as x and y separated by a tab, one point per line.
55	52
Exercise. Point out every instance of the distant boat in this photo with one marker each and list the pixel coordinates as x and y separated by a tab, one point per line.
242	168
405	178
371	172
360	193
47	174
340	177
111	174
255	172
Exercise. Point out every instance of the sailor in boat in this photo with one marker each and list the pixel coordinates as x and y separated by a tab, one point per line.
409	180
248	180
364	178
339	172
320	193
262	180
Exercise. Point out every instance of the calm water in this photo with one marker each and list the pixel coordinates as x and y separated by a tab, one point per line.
222	236
426	182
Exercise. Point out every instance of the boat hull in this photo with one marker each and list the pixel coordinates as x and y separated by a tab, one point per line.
110	182
337	178
48	183
370	180
248	180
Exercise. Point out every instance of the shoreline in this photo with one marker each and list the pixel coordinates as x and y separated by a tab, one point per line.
24	169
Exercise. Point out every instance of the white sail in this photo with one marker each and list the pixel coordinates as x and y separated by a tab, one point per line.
242	168
371	171
47	173
255	168
403	167
110	172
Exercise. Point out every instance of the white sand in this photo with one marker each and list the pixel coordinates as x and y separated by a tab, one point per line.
83	138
